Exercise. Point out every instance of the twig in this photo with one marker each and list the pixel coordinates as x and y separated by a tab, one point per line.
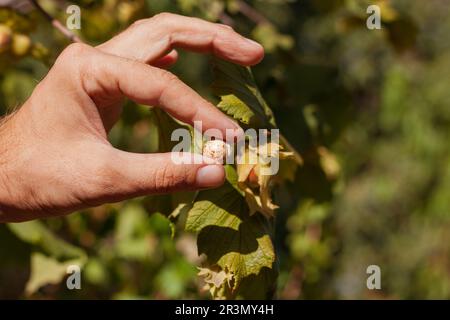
251	13
226	19
56	23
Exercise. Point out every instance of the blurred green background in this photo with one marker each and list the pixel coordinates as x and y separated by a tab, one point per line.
369	111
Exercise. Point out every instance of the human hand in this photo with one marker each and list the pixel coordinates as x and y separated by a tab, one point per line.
55	157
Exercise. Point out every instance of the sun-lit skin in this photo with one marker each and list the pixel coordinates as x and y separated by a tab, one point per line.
55	157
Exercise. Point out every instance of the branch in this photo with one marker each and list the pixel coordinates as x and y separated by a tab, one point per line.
56	23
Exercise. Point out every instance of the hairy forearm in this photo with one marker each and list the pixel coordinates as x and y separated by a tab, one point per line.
16	191
3	161
6	133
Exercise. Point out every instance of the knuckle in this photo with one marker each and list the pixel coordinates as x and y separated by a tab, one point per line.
158	23
169	178
139	23
164	178
75	50
103	176
168	77
163	17
74	55
167	82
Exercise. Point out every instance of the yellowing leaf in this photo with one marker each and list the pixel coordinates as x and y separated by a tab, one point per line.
258	193
218	282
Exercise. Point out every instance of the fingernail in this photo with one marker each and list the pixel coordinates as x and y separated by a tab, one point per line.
226	26
252	42
210	176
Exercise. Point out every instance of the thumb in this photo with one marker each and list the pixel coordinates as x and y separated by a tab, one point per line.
144	174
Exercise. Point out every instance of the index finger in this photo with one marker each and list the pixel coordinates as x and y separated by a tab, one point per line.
105	75
150	39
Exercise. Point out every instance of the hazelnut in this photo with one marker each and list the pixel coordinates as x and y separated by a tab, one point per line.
216	150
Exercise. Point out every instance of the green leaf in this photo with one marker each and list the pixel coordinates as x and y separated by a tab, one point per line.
133	239
271	39
232	178
240	97
50	257
17	87
229	237
46	270
173	279
36	233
